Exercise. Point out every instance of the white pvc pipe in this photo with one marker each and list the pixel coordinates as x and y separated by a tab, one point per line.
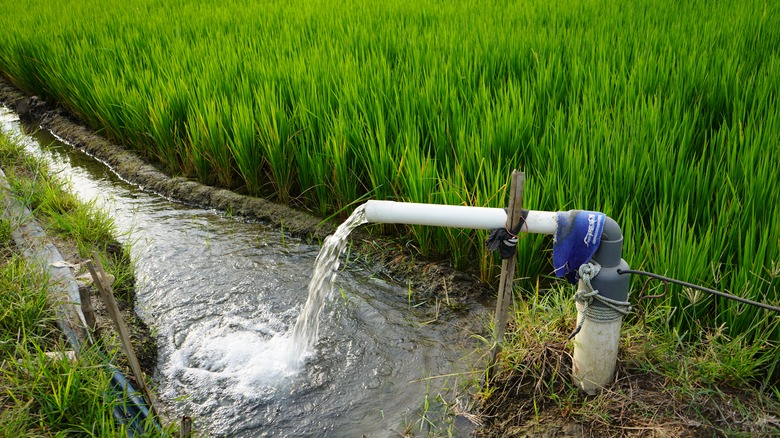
541	222
459	216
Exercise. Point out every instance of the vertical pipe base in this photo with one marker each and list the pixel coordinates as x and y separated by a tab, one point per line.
595	354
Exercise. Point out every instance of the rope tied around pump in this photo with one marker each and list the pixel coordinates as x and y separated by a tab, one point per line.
612	310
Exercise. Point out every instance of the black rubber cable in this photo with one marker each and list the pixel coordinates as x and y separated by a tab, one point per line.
701	288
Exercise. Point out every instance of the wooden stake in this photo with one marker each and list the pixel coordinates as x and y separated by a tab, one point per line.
507	265
186	427
107	294
86	308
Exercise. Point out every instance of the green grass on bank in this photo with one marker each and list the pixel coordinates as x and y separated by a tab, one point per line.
45	394
663	387
662	115
42	396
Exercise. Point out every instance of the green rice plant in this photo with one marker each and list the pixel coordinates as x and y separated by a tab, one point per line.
210	152
343	178
274	147
243	147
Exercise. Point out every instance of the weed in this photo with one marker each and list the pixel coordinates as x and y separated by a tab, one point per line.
6	227
661	383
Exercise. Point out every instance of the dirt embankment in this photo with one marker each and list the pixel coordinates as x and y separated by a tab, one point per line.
427	278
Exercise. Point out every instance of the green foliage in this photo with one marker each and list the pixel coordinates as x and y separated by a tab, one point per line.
58	209
43	395
663	115
49	396
41	392
6	227
23	304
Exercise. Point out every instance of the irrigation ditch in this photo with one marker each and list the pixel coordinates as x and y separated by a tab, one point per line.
430	282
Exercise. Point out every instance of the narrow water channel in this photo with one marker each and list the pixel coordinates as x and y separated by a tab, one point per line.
222	295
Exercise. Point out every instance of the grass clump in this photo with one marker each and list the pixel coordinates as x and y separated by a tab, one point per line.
45	395
43	392
74	222
23	302
6	242
662	385
45	194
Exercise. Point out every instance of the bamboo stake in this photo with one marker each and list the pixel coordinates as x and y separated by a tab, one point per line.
107	294
186	427
507	265
86	308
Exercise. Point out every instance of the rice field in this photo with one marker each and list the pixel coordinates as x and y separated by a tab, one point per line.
662	115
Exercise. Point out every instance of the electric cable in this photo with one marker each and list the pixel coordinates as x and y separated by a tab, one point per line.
701	288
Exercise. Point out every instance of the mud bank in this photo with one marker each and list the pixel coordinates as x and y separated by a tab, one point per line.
387	256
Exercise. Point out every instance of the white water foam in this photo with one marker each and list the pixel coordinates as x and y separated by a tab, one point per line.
238	354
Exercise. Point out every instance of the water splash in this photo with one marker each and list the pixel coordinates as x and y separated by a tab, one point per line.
326	265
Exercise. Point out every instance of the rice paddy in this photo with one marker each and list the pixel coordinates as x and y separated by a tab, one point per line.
660	114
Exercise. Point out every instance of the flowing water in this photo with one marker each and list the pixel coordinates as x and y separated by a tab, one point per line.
323	277
224	298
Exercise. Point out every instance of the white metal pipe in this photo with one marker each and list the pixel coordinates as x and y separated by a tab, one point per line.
459	216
